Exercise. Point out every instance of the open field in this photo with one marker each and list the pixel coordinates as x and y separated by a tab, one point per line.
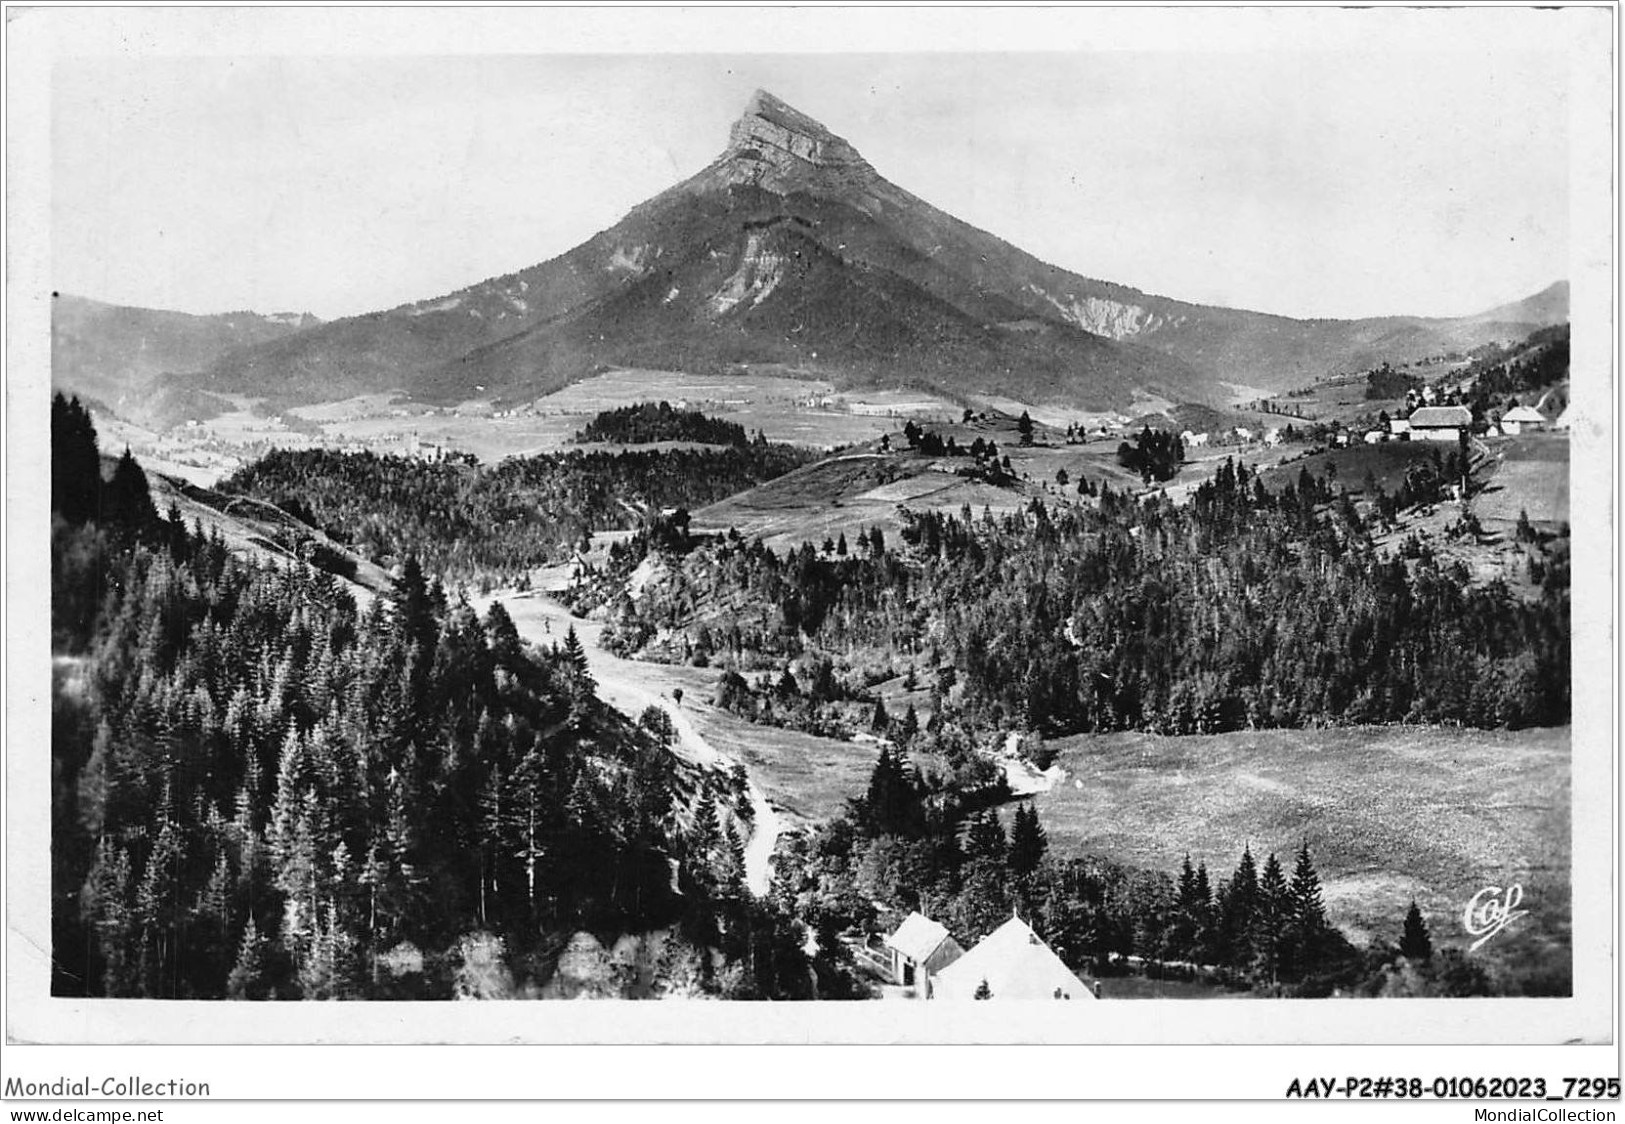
804	412
1527	473
864	487
1341	397
848	493
1390	813
491	439
807	777
798	411
1387	462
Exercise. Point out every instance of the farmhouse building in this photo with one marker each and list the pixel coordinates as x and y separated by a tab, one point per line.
919	950
1010	963
1520	418
1440	423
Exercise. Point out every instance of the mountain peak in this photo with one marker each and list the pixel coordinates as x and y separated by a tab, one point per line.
775	146
782	114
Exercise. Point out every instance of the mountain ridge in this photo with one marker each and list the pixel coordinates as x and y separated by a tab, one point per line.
929	300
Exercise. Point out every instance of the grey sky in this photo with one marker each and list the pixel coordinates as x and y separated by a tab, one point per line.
1307	182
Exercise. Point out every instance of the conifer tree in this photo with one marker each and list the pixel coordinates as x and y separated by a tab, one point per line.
105	906
502	636
248	976
1270	919
1183	932
76	479
574	652
157	912
1027	842
880	721
986	839
732	877
1202	898
889	801
910	726
707	825
1415	944
1187	882
415	607
127	500
1240	903
1307	923
213	913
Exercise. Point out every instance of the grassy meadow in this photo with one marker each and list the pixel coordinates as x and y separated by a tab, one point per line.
1390	813
1526	473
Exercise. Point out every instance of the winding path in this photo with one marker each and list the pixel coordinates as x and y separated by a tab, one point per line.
632	686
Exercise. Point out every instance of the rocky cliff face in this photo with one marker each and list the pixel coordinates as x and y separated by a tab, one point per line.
779	149
782	136
760	269
1105	317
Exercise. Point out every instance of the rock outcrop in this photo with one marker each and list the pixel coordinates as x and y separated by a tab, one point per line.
779	149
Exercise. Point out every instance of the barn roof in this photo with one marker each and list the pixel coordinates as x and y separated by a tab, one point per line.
917	937
1015	964
1524	414
1441	417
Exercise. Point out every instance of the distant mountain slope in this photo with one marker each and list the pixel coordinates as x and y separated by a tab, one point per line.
790	249
775	293
1547	307
115	353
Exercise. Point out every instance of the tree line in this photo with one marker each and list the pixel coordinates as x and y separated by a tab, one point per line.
494	523
645	422
1155	455
263	789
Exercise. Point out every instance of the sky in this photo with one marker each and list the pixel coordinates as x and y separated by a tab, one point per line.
1312	183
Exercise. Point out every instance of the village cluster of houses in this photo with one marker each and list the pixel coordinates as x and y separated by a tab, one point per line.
1448	423
1424	422
1237	435
1012	962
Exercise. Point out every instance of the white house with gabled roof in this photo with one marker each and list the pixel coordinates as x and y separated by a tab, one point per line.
1011	962
1440	423
920	949
1520	418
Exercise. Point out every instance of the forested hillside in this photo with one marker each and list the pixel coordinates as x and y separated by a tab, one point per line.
1532	364
261	789
494	523
645	422
1244	608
